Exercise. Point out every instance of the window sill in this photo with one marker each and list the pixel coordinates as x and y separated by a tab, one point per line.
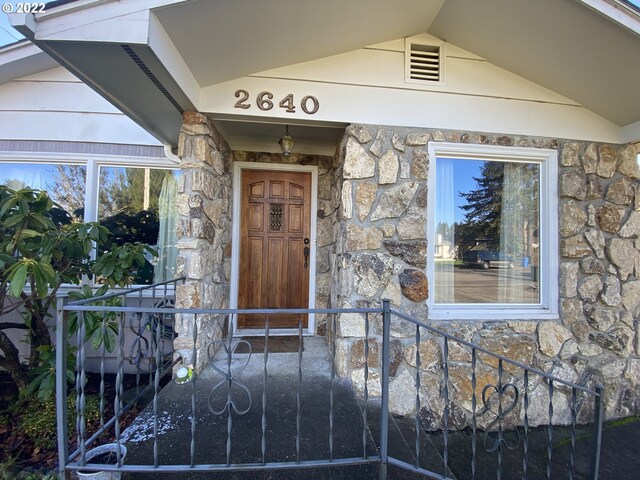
63	291
483	313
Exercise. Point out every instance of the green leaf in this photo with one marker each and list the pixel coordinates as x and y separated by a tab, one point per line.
102	290
139	258
108	269
28	233
97	341
8	205
13	220
44	222
18	280
6	261
75	295
41	281
48	270
88	291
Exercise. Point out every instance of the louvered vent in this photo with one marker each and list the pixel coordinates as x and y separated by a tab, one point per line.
425	62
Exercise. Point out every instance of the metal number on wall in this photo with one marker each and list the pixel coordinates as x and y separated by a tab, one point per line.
265	102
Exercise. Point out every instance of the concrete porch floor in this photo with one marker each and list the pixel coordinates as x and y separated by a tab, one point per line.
621	442
174	425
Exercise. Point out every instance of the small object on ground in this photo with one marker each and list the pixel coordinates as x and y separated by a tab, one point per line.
184	374
104	455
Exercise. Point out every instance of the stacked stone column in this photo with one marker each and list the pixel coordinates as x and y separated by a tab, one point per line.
204	236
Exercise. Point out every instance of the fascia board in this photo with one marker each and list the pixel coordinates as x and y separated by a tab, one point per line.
618	13
125	28
77	15
167	53
22	59
631	132
18	51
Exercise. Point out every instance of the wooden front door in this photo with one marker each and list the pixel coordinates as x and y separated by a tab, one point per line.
275	246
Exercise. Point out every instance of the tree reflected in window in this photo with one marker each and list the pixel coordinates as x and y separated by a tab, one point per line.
486	229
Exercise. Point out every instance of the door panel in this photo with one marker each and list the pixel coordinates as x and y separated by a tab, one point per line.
275	221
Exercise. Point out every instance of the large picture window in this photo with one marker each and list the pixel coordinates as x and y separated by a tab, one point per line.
139	205
134	198
492	228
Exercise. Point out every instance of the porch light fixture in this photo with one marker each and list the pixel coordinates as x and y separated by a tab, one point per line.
286	143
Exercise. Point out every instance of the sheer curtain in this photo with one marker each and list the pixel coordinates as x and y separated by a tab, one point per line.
445	231
167	236
516	202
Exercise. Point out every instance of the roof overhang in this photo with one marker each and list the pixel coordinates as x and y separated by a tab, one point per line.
567	46
153	58
22	59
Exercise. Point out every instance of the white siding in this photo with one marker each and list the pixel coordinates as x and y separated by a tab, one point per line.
383	66
54	105
368	86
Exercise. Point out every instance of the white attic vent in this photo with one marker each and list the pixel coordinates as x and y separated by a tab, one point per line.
424	62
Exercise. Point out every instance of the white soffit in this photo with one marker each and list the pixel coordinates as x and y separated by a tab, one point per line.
228	39
631	133
22	59
560	44
263	137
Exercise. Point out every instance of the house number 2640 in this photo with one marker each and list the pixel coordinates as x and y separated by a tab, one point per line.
264	101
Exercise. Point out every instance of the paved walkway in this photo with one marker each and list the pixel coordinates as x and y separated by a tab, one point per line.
620	453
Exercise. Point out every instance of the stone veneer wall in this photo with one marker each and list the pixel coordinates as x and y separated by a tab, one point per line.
204	234
328	203
205	223
381	253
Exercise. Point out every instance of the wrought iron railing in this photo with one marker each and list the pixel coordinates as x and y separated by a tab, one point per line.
499	416
499	412
150	354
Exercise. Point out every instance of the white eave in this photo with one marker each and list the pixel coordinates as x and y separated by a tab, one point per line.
618	11
585	50
21	59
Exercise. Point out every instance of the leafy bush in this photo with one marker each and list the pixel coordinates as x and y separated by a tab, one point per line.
38	422
37	256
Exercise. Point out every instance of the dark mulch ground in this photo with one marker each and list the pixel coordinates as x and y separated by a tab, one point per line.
19	447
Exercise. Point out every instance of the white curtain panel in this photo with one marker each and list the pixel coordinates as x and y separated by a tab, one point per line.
445	216
165	268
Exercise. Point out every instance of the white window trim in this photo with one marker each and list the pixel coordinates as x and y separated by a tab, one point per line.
548	308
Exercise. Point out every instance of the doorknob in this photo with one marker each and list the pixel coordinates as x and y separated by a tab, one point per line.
306	253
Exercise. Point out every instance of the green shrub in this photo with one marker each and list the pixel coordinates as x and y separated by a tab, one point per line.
38	422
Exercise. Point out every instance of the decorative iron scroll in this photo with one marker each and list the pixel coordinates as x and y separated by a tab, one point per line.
275	217
229	378
493	439
160	327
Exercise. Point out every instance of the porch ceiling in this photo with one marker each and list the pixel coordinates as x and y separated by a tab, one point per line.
251	136
223	40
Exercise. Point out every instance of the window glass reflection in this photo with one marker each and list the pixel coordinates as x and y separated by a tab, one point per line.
486	232
139	205
65	184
